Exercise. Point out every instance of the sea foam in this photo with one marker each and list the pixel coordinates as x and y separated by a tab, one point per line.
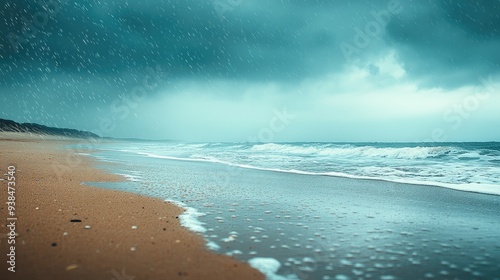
189	218
472	167
269	267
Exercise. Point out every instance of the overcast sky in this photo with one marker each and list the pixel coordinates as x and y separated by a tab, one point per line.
255	70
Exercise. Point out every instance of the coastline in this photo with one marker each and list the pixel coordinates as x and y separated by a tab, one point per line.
312	227
129	236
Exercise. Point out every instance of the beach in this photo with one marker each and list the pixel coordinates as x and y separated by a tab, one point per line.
136	210
66	230
231	139
293	224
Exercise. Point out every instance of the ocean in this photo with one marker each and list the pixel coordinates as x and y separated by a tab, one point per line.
465	166
329	210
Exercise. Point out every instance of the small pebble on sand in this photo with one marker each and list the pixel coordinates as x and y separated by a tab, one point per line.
71	267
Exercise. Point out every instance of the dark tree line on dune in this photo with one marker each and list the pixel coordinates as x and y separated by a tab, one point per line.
12	126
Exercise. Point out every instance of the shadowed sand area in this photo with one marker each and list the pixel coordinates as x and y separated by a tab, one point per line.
50	246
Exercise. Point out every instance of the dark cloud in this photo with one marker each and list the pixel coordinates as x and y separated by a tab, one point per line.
255	40
187	37
448	43
63	60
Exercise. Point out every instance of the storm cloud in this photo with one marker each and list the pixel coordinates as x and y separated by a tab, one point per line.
86	57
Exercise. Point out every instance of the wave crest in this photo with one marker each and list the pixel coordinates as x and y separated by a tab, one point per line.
356	151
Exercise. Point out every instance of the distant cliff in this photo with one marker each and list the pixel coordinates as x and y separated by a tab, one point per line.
12	126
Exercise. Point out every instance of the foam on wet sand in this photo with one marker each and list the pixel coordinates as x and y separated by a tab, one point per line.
127	234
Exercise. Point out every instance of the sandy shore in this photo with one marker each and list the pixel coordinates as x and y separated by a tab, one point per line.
130	236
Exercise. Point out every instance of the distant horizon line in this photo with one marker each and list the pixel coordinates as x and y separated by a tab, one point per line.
253	142
289	142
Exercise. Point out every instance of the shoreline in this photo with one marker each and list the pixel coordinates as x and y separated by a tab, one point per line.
316	226
128	235
486	189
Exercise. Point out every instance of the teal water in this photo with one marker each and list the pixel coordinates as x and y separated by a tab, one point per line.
320	227
465	166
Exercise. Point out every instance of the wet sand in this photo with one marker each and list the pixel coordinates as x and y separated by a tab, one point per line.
129	236
324	227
